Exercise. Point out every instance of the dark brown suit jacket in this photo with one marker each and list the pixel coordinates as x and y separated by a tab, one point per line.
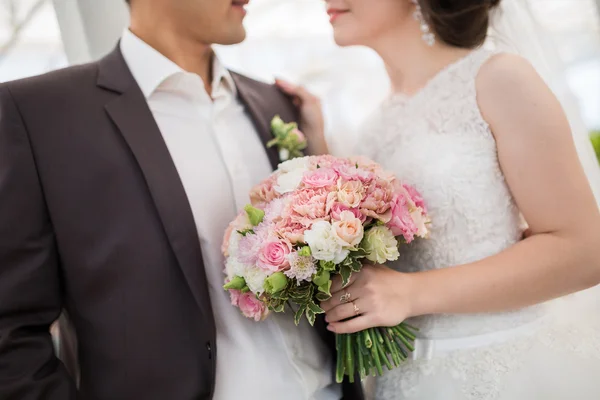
94	220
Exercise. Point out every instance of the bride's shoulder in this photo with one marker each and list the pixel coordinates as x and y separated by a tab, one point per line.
508	85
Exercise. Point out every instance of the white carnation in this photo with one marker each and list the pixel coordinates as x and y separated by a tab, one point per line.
234	244
294	164
324	243
255	279
234	268
289	181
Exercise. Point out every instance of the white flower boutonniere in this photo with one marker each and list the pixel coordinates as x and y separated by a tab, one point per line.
287	137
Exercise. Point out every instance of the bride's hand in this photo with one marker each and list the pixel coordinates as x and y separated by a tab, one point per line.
311	121
376	296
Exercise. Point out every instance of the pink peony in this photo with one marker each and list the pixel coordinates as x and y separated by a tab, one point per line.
338	208
273	255
252	307
310	205
320	178
402	223
264	192
378	201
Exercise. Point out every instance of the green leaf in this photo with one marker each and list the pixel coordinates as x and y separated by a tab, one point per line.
299	314
323	296
345	273
359	253
356	265
315	308
246	232
326	288
311	316
278	308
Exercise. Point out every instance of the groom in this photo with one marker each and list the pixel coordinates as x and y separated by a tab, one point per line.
117	180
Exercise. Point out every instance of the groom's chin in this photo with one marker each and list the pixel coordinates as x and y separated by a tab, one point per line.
230	35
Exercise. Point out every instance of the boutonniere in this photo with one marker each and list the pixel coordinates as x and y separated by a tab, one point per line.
287	137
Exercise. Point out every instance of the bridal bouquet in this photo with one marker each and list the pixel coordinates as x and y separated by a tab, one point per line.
312	219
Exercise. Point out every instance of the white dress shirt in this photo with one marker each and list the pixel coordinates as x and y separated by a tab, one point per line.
219	157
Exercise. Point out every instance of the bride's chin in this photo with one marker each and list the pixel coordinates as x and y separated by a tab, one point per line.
342	39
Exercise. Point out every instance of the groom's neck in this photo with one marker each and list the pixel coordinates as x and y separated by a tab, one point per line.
187	52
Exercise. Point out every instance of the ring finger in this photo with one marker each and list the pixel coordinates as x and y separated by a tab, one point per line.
344	311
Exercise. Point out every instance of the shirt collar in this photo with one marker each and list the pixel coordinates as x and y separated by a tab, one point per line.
150	68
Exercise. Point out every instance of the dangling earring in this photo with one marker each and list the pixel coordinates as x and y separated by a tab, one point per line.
427	36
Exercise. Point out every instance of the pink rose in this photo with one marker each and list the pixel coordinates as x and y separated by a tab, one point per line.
337	209
348	229
264	192
350	193
402	223
378	200
273	255
252	307
320	178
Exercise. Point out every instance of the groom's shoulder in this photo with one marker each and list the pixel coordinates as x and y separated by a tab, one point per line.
56	84
269	94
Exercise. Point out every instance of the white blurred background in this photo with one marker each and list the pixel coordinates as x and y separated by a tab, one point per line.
286	38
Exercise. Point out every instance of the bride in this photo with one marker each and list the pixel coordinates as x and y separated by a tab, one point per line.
487	144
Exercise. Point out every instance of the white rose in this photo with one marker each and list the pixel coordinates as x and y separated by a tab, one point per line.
255	279
289	181
324	243
380	245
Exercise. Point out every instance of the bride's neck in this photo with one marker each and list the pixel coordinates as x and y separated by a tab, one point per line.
411	63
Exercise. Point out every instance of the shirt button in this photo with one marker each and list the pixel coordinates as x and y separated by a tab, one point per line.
209	349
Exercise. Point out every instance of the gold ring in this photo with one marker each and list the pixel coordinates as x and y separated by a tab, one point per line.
356	309
345	298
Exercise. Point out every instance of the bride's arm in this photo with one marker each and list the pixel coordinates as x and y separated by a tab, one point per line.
562	255
542	169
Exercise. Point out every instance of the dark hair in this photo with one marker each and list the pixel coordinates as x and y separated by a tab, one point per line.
460	23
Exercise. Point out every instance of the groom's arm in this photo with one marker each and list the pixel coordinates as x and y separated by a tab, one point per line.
30	289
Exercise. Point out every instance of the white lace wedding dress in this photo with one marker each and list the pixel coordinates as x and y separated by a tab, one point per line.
438	141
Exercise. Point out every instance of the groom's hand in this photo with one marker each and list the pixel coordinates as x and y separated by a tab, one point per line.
312	123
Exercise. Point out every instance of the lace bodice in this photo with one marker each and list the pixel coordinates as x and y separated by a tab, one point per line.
439	142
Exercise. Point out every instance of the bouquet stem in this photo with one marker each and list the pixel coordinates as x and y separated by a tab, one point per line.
368	351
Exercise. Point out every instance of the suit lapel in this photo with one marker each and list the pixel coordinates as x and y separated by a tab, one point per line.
260	113
130	113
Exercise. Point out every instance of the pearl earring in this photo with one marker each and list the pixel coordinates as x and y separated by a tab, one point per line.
427	36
